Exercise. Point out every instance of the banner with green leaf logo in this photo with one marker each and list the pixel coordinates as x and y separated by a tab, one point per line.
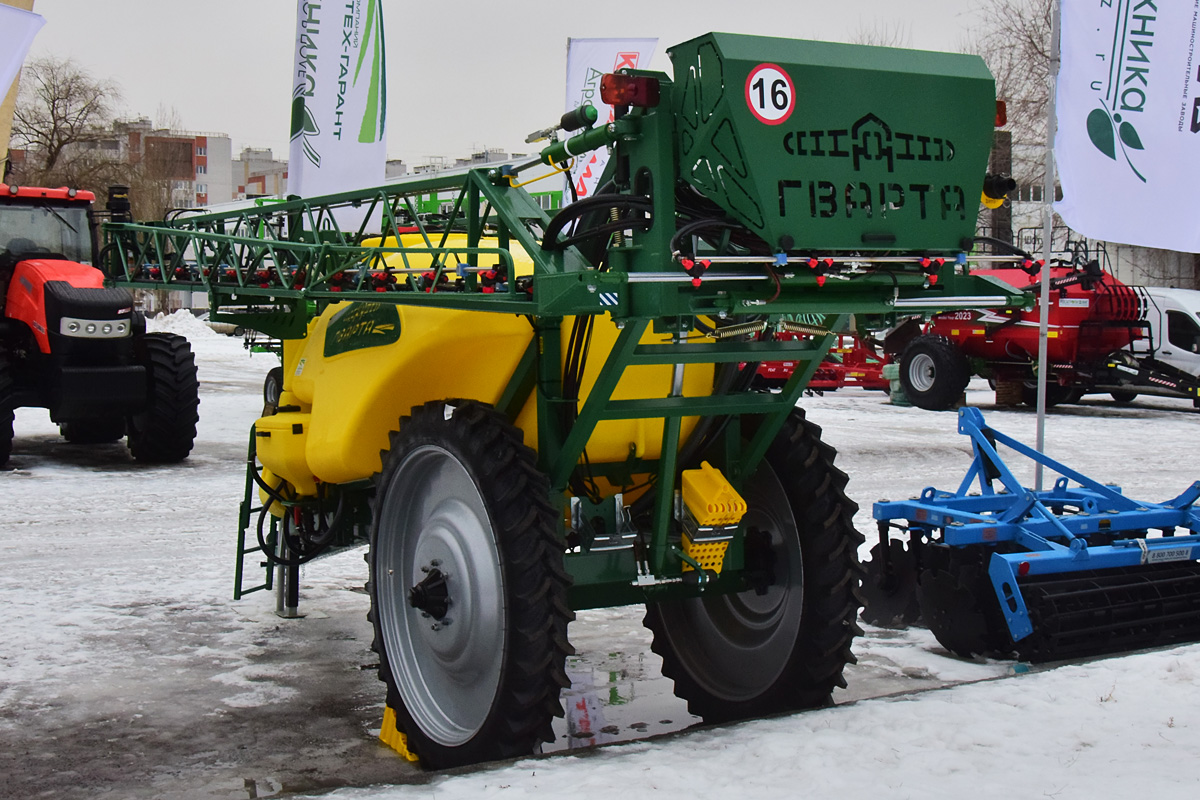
1128	143
339	98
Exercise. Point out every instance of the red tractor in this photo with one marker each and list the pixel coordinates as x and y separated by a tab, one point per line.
1092	317
70	345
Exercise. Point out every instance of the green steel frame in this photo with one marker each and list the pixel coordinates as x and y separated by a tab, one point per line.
271	268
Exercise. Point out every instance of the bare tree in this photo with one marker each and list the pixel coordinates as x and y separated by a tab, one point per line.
881	34
158	173
62	115
64	120
1014	40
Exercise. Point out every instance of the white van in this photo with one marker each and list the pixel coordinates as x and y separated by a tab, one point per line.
1174	317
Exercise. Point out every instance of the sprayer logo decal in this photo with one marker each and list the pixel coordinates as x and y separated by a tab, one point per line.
868	139
1127	83
870	143
356	34
770	94
362	325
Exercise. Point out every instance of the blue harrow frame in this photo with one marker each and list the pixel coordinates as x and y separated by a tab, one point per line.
1065	529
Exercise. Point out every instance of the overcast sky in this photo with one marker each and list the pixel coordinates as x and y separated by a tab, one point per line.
462	75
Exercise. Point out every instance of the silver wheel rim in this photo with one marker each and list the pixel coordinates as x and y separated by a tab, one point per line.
447	671
736	646
921	372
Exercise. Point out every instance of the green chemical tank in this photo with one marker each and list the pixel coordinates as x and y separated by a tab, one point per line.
821	146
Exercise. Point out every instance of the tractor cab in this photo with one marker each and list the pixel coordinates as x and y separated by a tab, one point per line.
43	224
37	222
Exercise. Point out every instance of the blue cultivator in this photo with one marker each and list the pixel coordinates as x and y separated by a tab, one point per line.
1065	572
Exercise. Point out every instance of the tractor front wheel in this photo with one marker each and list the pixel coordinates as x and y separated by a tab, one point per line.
164	431
781	646
934	372
467	585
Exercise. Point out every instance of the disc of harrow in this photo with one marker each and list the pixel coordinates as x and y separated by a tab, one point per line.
890	592
953	608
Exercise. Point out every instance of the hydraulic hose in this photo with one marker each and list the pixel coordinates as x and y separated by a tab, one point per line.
586	206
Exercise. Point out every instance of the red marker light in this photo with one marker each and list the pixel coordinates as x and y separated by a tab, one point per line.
1001	113
1023	569
820	280
627	90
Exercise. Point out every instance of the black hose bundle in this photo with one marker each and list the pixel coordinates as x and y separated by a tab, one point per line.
600	203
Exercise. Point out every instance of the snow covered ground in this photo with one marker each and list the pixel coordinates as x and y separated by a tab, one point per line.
126	669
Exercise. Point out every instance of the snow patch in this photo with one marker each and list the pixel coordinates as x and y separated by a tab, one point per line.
182	322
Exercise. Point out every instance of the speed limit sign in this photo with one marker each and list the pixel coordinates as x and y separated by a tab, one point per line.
770	94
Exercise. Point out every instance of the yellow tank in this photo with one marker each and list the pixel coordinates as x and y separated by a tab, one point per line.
364	365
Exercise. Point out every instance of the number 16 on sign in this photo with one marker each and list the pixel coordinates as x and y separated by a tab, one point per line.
770	94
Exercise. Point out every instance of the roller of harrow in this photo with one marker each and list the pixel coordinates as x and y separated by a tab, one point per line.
1075	570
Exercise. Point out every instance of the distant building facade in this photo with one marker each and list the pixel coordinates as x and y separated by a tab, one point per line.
257	173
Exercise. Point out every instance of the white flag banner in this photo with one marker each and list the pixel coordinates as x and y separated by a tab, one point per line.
17	29
587	61
339	98
1128	143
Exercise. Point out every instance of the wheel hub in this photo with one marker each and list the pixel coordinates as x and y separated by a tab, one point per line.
431	595
921	372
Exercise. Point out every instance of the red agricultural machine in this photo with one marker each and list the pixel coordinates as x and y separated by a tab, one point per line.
76	348
1094	319
852	361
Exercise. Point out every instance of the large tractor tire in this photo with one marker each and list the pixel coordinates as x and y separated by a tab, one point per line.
166	429
783	645
96	430
6	411
934	371
468	589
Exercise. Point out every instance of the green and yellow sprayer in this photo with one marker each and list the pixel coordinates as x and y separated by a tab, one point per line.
529	415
